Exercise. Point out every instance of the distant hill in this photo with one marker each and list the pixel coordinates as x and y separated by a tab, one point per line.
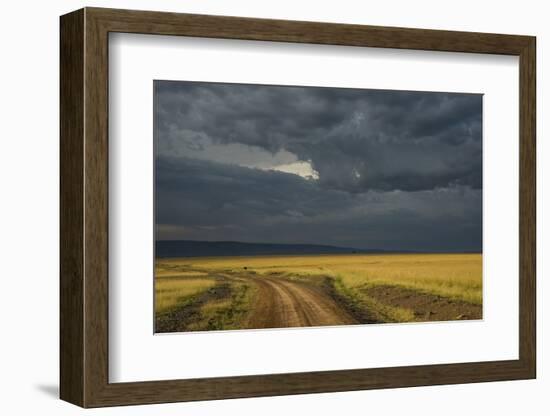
188	248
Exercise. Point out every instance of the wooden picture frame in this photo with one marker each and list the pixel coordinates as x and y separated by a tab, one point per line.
84	207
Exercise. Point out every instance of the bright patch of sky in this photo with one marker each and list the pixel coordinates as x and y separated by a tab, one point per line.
196	145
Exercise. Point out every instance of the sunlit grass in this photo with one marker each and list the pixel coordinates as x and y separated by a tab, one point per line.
172	292
454	276
457	276
167	273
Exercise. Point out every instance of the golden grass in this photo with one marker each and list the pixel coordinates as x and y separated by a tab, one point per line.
454	276
174	291
190	273
457	276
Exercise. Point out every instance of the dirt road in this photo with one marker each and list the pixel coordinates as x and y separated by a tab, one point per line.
282	303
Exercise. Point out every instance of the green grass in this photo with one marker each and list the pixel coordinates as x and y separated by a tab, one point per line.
380	312
225	314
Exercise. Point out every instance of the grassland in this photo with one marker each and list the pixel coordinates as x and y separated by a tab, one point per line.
175	291
222	292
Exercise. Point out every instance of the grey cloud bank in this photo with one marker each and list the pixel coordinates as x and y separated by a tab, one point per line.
392	170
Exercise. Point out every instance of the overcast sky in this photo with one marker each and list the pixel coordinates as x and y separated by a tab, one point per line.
346	167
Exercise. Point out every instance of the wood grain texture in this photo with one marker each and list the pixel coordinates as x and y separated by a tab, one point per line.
162	23
527	208
84	207
96	218
71	100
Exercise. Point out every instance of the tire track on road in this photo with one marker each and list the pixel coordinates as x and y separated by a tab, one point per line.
282	303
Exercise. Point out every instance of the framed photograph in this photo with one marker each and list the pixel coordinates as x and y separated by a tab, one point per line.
255	207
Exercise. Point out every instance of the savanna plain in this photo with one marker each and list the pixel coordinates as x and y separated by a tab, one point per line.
226	293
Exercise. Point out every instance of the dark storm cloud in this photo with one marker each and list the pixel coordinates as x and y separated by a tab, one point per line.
391	169
204	200
357	140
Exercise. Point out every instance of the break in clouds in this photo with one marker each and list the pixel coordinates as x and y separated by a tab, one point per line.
393	170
